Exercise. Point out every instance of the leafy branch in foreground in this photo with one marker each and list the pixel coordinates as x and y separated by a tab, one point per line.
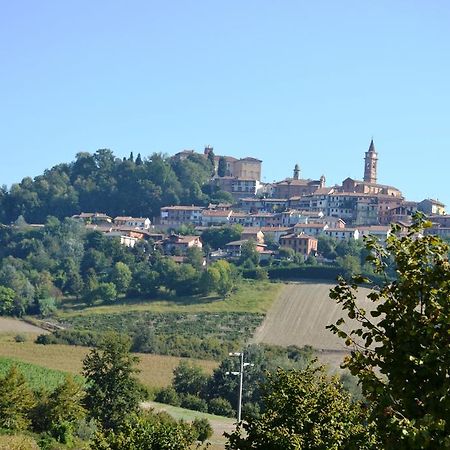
400	349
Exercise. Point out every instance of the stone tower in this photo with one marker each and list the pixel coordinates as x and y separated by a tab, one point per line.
296	172
370	164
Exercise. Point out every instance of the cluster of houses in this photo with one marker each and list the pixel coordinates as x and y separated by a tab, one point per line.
360	203
291	213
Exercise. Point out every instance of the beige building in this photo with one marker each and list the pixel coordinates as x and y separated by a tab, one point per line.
300	243
179	215
431	206
248	167
136	222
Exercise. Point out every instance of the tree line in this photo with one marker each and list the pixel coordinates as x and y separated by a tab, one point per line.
39	266
132	186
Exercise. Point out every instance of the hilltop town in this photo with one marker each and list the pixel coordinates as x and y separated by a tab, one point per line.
292	212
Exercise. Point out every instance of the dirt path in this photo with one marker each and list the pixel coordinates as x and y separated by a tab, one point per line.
299	317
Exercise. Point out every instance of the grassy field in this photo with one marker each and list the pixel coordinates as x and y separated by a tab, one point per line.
156	371
250	297
38	377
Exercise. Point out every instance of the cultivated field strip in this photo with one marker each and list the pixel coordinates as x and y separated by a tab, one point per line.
299	317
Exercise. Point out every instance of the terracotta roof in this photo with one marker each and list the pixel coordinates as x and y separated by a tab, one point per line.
374	228
432	200
84	215
293	182
274	229
216	213
140	219
184	239
251	230
243	241
297	236
322	191
249	158
182	208
227	158
262	200
240	242
366	183
310	225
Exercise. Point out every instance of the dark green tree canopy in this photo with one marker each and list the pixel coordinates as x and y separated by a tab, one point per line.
102	182
112	390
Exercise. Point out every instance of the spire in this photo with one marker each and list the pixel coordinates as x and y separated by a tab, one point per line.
370	164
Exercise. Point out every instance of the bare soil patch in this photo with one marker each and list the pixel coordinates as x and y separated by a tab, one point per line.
10	325
299	316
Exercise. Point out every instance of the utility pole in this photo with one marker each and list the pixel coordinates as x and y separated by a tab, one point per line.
242	365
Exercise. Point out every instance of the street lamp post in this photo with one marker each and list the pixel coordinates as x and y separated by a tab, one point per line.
242	365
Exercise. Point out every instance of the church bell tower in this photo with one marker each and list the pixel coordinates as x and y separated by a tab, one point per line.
370	164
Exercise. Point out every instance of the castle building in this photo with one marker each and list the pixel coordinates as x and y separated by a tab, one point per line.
296	186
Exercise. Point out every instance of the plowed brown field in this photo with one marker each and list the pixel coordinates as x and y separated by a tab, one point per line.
299	316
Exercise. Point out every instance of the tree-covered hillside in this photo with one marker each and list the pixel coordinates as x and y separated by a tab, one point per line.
102	182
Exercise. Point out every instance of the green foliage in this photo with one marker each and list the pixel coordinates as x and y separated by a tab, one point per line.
146	432
228	277
20	338
217	237
221	407
65	403
194	402
6	300
222	167
349	264
195	258
106	292
46	306
400	350
263	359
202	429
145	341
189	379
169	396
249	253
121	277
71	337
102	181
16	400
304	409
200	335
37	377
112	388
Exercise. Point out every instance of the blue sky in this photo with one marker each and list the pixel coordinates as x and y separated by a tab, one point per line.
306	82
